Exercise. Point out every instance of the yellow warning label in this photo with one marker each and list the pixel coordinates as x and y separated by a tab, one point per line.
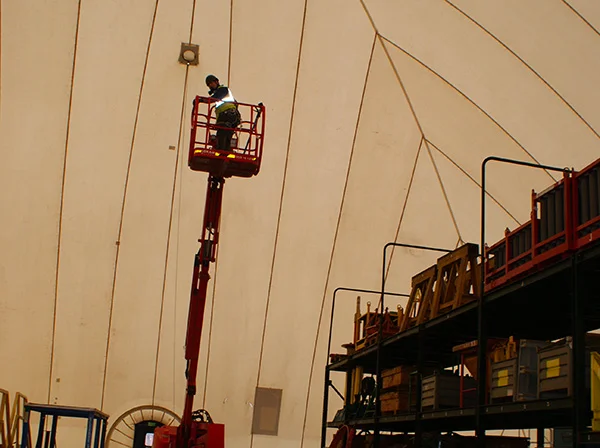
553	366
503	378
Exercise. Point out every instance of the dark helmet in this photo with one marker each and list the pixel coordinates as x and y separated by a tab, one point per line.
211	78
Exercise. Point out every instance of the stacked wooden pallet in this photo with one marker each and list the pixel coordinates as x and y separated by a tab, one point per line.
397	396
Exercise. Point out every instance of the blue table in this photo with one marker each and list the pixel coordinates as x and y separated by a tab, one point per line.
96	424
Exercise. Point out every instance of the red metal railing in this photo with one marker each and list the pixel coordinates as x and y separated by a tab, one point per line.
552	218
586	199
245	153
547	235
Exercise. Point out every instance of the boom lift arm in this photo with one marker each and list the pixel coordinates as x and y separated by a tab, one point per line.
197	429
206	254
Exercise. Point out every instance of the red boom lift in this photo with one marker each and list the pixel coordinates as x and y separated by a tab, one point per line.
242	159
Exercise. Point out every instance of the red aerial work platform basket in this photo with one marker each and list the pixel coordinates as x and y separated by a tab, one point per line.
243	157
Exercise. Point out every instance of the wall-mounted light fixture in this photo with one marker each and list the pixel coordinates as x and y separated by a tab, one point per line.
188	54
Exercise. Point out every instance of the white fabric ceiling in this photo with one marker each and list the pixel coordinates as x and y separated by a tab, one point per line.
379	114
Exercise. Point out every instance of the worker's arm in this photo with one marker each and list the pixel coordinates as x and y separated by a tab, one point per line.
218	94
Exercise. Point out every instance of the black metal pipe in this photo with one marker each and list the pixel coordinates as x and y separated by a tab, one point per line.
481	326
376	437
327	375
335	389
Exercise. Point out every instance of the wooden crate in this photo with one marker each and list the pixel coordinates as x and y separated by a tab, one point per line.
397	401
398	376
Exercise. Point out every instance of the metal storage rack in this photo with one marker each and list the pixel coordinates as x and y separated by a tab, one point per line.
561	300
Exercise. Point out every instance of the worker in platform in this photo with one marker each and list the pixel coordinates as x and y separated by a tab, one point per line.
226	109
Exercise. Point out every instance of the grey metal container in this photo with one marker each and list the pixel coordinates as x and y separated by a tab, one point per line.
555	370
516	379
503	384
555	366
527	379
441	391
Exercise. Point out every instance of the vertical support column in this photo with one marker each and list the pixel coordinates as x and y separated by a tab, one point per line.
26	430
541	437
481	327
325	407
328	376
40	437
379	380
481	315
103	438
97	435
53	431
461	387
88	432
481	373
349	376
418	399
381	308
578	354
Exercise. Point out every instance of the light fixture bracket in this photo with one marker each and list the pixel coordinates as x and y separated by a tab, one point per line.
188	54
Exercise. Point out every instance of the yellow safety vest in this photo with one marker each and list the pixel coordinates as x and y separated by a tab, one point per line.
226	103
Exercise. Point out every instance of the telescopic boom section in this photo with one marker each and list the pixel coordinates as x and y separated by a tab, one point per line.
206	255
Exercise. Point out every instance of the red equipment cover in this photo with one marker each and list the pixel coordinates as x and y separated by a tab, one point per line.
165	437
204	435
